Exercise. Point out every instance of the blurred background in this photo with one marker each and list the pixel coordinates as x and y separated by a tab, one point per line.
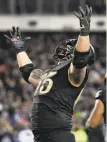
48	22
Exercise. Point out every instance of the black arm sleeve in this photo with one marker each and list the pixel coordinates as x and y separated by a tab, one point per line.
80	59
26	70
101	95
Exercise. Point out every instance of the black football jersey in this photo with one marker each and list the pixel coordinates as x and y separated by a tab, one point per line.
101	95
54	99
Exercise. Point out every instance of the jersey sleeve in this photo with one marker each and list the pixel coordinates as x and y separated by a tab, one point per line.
101	95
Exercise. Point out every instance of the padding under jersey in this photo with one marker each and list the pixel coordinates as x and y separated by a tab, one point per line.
101	95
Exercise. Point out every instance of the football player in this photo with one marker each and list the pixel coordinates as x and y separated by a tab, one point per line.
58	88
99	110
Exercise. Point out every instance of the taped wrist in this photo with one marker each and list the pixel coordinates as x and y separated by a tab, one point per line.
26	70
80	59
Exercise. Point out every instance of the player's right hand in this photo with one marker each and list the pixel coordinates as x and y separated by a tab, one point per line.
84	15
15	38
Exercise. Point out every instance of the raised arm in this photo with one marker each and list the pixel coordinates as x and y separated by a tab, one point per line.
29	73
77	70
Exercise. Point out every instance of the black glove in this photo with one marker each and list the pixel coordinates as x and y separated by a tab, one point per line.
16	39
84	17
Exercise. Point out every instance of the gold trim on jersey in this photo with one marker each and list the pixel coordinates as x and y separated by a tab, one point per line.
76	101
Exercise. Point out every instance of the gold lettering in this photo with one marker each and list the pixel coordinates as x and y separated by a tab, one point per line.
45	84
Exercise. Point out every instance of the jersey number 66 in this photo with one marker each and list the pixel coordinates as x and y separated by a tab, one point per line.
45	84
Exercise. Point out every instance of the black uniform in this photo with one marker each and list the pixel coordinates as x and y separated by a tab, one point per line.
52	112
101	95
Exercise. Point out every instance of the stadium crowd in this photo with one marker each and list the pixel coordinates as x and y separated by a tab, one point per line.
49	7
16	94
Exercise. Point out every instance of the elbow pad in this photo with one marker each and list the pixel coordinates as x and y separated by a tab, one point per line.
82	59
26	70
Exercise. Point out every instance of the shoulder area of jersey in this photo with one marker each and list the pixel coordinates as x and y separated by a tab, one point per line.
98	94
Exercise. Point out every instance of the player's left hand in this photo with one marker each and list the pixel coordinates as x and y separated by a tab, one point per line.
84	15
